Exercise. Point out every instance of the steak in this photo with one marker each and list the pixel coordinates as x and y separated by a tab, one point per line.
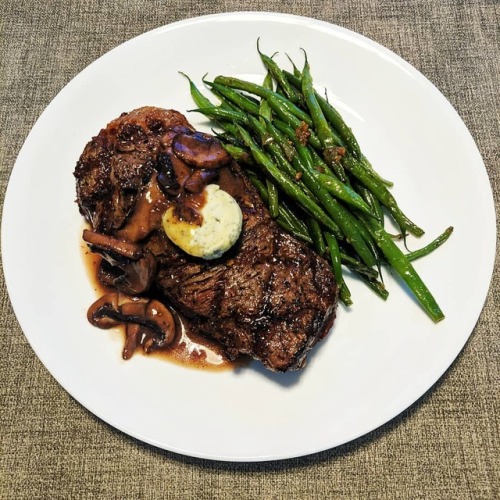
119	161
270	296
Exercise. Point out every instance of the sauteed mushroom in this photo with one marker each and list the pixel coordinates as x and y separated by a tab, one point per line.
199	179
148	322
172	173
200	150
127	266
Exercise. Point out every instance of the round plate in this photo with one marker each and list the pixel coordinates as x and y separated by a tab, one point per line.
380	356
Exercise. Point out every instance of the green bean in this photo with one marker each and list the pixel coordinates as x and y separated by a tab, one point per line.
364	161
322	127
288	116
421	252
239	154
241	101
280	78
332	115
371	201
333	247
296	125
259	185
356	265
358	236
264	109
288	130
319	163
230	129
344	192
321	166
288	113
286	219
305	155
204	103
227	138
296	71
285	135
262	92
345	294
374	284
332	184
293	230
323	183
225	104
286	167
259	129
382	194
206	107
365	234
313	176
317	236
294	220
270	138
336	120
293	174
285	145
222	113
400	263
335	167
199	99
279	148
273	198
337	212
284	164
286	183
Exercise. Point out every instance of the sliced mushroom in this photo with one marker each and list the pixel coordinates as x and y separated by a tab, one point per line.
100	313
126	266
133	331
136	276
107	243
133	334
172	172
148	322
200	150
167	178
199	179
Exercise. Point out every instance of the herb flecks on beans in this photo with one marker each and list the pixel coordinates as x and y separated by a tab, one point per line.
309	169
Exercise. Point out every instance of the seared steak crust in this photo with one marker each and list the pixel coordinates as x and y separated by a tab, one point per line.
270	296
119	161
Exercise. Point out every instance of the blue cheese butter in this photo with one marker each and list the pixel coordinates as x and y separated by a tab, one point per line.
219	231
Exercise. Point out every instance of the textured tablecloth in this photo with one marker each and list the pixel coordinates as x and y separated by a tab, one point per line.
444	446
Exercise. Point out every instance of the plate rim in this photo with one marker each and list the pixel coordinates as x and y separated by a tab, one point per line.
227	16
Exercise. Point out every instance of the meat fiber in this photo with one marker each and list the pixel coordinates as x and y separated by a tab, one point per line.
270	296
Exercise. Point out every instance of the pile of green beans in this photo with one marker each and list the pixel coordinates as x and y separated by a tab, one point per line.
308	168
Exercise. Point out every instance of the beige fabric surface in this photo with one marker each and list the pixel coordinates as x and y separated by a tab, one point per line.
445	446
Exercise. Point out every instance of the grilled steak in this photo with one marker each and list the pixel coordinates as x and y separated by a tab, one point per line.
270	296
117	163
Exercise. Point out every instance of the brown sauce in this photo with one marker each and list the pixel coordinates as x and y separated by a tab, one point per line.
147	215
189	349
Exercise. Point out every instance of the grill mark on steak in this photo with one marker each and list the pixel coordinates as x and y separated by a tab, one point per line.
270	296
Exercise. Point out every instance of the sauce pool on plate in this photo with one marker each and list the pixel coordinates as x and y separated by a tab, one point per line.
188	349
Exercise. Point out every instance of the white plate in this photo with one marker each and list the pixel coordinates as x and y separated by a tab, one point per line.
379	358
